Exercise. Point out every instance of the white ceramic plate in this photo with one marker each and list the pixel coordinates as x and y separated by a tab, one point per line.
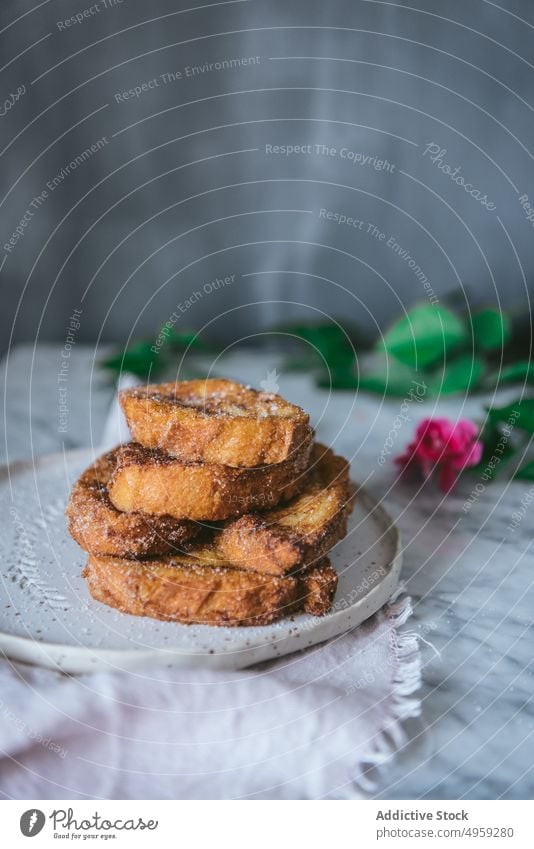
47	616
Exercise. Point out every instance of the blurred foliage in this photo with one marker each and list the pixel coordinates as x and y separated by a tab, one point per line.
508	432
431	344
425	336
446	353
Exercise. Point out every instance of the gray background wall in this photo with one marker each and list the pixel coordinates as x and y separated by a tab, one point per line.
182	190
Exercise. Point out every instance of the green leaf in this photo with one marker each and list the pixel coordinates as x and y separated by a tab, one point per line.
517	414
460	375
340	377
498	450
182	340
522	372
425	335
491	329
526	473
387	376
139	359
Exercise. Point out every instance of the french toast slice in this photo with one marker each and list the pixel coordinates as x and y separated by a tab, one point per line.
215	421
150	481
318	583
98	527
207	592
301	531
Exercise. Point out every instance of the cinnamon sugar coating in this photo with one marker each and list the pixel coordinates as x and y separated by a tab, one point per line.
98	527
182	589
299	532
216	421
151	481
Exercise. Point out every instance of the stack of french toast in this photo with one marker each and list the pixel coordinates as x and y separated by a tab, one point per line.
221	511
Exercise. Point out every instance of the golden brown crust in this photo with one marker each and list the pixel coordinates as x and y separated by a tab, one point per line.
190	594
215	421
150	481
301	531
98	527
178	589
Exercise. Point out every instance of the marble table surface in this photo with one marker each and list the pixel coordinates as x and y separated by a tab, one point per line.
468	570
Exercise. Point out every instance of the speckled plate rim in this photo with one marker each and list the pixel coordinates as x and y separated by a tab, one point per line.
81	659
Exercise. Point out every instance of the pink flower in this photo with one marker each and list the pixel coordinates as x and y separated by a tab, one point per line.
446	445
